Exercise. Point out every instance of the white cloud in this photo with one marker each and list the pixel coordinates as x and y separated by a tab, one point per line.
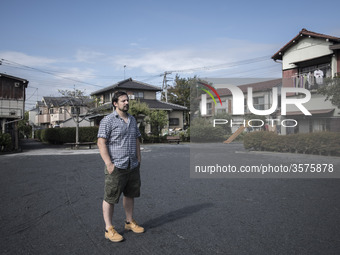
160	61
201	55
87	56
78	74
25	59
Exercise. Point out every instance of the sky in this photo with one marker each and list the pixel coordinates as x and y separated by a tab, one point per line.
89	45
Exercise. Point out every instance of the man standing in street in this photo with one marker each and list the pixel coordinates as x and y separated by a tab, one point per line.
119	146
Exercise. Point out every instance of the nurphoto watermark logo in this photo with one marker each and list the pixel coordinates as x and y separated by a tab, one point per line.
226	115
238	100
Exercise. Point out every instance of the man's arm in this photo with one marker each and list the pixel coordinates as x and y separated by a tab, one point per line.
138	151
104	153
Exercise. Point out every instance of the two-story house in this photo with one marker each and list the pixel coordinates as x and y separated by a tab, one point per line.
58	112
12	104
145	93
307	61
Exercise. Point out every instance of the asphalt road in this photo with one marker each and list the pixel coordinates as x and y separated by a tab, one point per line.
51	204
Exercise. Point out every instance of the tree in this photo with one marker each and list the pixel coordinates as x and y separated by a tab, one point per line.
77	99
185	92
136	108
139	111
331	90
180	92
24	128
158	119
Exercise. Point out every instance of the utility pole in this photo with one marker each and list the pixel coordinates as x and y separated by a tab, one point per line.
165	85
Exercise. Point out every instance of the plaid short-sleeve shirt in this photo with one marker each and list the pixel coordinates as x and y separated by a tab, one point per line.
121	138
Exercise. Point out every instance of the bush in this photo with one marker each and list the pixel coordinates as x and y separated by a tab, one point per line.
154	139
5	142
185	135
37	134
201	130
88	134
322	143
50	135
254	140
67	135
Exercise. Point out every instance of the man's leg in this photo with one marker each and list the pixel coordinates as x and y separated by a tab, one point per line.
107	214
130	223
110	232
128	204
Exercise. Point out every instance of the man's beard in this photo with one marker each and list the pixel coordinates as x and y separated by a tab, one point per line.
124	108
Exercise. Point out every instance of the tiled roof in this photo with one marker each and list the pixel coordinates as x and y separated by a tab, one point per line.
313	112
14	78
259	86
159	105
220	82
62	101
40	103
302	33
153	104
128	84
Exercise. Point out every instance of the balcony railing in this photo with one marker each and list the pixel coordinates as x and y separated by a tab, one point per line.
43	118
57	117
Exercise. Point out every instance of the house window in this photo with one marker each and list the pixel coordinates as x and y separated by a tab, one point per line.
258	103
60	110
221	111
174	121
245	106
75	110
317	125
209	108
51	111
107	98
138	94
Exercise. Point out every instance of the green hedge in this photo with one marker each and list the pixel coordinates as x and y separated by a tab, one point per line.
67	135
154	139
202	130
5	142
321	143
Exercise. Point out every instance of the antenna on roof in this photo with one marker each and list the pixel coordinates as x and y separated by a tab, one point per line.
124	71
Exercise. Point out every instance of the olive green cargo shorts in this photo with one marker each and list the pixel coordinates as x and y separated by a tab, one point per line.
126	181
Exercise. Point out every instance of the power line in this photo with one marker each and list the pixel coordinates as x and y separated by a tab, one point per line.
21	66
223	66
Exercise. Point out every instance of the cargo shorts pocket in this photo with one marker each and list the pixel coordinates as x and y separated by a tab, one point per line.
111	189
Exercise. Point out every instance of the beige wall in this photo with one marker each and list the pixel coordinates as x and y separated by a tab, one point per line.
56	116
317	102
304	49
179	115
149	95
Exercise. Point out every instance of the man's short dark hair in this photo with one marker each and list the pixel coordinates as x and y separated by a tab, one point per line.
116	95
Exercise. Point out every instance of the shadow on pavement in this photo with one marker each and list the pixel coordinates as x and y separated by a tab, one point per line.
175	215
31	144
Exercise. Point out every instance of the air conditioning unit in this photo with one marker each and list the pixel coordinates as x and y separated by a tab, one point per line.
132	97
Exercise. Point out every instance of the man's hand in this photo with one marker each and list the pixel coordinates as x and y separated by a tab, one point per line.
105	155
110	167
